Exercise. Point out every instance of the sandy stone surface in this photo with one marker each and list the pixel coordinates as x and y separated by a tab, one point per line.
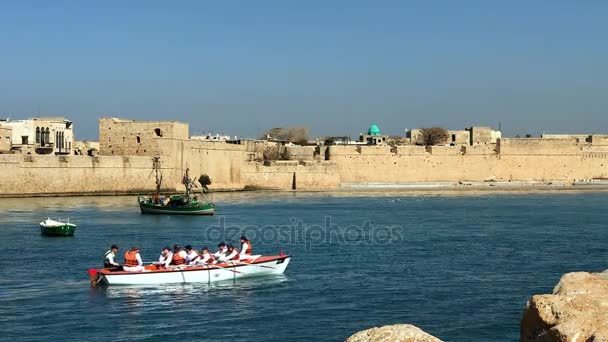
390	333
576	311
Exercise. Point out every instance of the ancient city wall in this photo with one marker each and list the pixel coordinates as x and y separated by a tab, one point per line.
233	166
509	160
292	175
48	174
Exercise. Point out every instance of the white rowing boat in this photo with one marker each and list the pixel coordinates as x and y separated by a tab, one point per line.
155	274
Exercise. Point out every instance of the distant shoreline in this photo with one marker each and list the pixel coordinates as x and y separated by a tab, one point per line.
387	188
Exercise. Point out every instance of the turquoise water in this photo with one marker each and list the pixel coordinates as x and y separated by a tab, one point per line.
461	267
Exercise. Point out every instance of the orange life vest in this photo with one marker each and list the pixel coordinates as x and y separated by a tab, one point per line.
178	259
131	259
249	247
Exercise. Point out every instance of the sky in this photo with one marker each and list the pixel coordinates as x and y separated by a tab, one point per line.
241	67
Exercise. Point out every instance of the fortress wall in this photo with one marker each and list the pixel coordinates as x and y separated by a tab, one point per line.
524	164
539	146
48	174
221	161
444	150
410	150
287	175
486	149
301	152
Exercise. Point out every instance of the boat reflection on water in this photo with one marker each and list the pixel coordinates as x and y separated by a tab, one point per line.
175	291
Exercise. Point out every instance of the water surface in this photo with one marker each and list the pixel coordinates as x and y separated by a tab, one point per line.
459	266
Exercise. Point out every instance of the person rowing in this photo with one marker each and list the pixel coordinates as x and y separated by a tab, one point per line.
179	256
191	255
246	248
166	256
109	259
133	262
205	258
220	255
233	253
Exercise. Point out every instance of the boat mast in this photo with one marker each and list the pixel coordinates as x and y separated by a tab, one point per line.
159	176
188	183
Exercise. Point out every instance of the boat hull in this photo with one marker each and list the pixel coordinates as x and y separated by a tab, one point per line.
62	230
201	209
197	274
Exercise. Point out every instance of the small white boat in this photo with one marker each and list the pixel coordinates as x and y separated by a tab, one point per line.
155	274
56	227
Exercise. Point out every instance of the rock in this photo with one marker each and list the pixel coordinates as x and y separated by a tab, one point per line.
576	311
390	333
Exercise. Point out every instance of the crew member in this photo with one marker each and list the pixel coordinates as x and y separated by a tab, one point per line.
191	255
233	253
246	248
109	259
205	258
220	255
179	256
133	261
166	256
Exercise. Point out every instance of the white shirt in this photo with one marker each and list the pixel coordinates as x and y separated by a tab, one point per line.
110	258
165	259
138	257
220	255
192	257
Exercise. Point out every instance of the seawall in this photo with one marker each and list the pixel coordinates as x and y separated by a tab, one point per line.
233	167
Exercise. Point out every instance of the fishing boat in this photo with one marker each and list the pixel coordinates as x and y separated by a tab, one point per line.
185	204
155	274
57	228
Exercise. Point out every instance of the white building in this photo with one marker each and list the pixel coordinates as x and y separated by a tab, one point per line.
41	135
211	137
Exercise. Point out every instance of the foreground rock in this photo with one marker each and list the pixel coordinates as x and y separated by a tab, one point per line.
576	311
397	333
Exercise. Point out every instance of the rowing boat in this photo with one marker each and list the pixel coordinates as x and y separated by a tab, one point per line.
156	274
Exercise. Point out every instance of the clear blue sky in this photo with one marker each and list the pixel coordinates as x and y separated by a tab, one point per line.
240	67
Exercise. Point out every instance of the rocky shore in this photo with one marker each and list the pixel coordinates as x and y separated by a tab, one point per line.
397	332
576	311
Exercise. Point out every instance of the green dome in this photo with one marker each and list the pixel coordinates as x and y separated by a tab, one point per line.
373	130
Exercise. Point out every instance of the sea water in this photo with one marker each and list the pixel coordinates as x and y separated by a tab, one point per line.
461	266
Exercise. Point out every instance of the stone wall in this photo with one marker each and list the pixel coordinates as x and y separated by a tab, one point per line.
140	138
291	175
5	139
49	174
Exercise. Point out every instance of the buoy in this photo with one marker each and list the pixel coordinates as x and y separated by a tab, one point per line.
93	276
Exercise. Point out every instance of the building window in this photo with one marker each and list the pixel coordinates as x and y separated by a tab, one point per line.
138	140
158	132
48	136
8	139
453	137
37	135
42	137
24	140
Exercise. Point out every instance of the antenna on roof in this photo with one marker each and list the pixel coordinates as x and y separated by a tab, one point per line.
499	126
